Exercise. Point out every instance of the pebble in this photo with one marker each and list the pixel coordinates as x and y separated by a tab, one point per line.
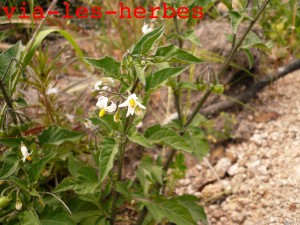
233	170
222	166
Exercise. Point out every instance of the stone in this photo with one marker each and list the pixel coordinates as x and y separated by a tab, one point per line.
238	217
222	166
233	170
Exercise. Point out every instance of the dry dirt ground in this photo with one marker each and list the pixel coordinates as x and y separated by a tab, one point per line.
256	181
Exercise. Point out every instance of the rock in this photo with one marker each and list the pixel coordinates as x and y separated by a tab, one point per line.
222	166
231	155
212	190
262	170
238	217
233	170
218	213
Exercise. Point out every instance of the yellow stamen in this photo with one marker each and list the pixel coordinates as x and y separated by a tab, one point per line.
132	103
29	158
102	113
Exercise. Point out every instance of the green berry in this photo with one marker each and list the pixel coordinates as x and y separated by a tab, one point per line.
218	89
201	86
4	201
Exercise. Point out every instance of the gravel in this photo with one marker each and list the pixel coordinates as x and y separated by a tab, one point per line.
260	177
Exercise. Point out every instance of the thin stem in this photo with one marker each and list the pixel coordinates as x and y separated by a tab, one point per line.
177	93
119	178
121	161
199	106
8	102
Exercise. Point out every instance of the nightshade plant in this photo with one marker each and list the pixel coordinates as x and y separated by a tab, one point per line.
97	192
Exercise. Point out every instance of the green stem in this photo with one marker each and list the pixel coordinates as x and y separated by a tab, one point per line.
199	106
121	161
8	102
119	178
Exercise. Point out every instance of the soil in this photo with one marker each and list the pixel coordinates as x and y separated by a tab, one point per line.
256	180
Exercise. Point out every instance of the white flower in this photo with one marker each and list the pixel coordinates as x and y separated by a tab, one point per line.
98	86
25	153
88	124
51	91
146	29
70	117
102	104
132	104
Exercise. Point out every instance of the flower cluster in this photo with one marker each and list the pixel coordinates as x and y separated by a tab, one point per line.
132	104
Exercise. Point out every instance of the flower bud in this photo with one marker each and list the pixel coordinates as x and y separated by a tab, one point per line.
117	116
18	205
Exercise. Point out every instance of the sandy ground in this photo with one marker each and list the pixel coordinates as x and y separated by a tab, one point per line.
260	177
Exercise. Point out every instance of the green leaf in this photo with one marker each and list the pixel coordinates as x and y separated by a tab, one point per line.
55	135
236	19
140	73
122	188
107	121
139	139
108	65
203	3
170	209
37	167
85	184
67	184
81	209
24	184
249	55
32	47
109	150
196	138
227	3
155	172
10	165
12	142
144	45
252	40
190	36
162	135
57	217
6	57
74	165
29	217
197	212
159	78
174	54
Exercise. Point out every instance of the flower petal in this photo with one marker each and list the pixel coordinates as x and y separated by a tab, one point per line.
140	105
124	104
102	102
111	108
